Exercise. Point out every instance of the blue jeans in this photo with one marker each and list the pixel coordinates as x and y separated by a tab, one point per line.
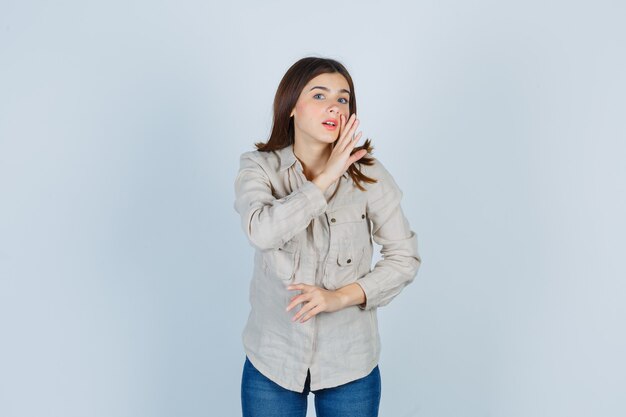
261	397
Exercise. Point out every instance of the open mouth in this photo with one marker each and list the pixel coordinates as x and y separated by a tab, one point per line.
330	124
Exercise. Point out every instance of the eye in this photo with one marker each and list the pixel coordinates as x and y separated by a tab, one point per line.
345	100
318	94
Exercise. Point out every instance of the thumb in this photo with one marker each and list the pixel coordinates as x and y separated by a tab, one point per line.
355	157
358	155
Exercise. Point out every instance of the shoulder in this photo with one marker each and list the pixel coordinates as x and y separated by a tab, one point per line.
258	159
257	155
380	172
377	167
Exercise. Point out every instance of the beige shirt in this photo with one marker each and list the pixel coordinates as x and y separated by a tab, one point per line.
303	235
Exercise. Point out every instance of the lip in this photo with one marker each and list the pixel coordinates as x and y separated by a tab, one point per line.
329	127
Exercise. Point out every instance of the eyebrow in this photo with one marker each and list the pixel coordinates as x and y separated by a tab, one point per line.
343	90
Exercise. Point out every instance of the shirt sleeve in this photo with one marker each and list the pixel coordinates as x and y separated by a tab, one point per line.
267	221
392	231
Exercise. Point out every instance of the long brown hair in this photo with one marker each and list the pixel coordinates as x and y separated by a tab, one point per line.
287	94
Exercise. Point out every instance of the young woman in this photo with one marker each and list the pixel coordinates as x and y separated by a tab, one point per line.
310	202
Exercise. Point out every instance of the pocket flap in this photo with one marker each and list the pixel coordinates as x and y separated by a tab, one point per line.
347	214
283	261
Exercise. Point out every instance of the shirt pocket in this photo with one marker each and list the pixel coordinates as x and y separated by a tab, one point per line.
350	236
344	267
283	262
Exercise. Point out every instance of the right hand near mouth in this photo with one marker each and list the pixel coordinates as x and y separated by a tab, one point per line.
340	158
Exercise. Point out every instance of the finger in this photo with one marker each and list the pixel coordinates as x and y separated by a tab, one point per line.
355	140
311	313
357	155
341	128
350	124
295	301
345	126
305	308
351	140
350	134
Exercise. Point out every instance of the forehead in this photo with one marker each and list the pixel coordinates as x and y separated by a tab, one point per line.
334	81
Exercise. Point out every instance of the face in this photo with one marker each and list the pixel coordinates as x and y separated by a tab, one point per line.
324	98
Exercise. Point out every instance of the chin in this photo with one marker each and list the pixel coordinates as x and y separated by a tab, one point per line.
326	139
330	139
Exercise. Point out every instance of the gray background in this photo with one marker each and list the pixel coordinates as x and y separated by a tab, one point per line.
123	269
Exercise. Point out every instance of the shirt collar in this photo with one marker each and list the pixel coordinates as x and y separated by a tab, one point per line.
288	158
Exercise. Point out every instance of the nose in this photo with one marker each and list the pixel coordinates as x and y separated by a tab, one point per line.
334	110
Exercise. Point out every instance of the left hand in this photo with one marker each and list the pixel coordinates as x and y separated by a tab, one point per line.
316	300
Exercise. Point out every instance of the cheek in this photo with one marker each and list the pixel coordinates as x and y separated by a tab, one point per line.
305	108
301	110
307	113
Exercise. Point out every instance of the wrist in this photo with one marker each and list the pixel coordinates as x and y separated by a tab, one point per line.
344	299
351	294
322	181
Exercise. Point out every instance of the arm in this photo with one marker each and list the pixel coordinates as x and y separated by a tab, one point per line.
392	231
269	222
352	294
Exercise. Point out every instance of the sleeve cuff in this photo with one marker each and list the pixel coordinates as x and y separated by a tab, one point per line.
315	196
368	289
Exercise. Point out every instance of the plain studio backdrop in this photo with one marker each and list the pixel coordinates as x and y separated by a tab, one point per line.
124	271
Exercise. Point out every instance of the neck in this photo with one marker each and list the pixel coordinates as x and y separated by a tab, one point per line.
312	156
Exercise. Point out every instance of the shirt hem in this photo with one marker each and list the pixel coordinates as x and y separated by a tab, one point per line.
353	376
331	383
266	372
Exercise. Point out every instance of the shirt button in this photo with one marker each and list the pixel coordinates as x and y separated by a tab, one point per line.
349	260
332	220
362	216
